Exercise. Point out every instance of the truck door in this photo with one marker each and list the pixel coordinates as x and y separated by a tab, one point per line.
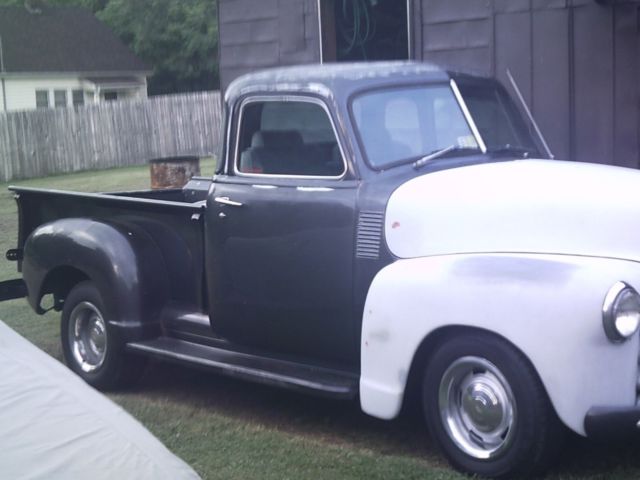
280	233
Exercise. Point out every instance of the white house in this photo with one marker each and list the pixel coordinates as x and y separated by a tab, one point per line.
63	57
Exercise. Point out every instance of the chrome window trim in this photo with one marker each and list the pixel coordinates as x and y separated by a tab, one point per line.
286	98
314	189
227	149
467	116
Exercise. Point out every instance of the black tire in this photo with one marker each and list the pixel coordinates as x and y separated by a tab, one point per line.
463	382
97	355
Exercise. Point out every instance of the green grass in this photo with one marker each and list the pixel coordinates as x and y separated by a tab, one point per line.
227	429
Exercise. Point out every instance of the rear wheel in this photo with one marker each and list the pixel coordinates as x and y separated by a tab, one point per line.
487	409
90	346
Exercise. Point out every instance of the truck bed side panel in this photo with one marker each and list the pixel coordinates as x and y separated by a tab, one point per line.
174	228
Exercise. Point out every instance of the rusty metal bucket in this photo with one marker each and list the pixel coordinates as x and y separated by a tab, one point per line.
173	172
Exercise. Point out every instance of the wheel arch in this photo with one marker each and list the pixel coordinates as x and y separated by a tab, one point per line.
438	337
60	281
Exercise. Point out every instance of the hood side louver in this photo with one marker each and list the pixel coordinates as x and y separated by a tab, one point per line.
369	235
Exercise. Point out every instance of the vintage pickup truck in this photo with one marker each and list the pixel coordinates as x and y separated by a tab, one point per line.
385	232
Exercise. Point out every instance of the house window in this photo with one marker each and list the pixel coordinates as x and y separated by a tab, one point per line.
109	96
60	98
78	98
42	98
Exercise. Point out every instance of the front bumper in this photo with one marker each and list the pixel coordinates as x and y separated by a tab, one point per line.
603	423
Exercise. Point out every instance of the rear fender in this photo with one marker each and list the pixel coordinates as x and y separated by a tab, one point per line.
123	261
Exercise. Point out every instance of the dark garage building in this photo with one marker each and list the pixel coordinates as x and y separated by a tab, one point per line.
576	61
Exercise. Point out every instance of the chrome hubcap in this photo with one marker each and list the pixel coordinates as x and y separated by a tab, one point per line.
477	407
87	336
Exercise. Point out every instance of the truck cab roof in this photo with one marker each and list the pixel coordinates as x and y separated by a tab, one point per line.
336	79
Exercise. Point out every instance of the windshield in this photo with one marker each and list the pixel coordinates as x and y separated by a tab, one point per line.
403	124
496	117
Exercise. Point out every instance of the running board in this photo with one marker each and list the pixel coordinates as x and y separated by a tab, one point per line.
295	376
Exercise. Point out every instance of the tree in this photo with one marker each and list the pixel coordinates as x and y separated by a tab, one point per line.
178	38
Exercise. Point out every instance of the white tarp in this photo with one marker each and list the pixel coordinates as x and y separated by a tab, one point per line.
54	426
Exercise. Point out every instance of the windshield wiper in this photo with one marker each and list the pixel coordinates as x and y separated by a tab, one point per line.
422	161
516	149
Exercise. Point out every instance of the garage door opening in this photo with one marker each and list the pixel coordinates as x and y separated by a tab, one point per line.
360	30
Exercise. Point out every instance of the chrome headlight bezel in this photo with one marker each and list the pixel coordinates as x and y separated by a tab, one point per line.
619	294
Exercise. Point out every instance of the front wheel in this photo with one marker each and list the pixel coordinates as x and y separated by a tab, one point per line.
90	346
487	409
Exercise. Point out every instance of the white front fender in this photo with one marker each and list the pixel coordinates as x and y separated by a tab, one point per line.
548	306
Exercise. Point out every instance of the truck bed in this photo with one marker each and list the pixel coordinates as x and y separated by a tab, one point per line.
172	218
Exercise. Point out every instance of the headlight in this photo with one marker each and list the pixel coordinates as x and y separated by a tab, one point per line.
621	312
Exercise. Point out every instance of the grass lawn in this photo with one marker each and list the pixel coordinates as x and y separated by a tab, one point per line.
227	429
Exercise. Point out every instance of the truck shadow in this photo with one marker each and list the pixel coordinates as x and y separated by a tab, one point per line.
343	423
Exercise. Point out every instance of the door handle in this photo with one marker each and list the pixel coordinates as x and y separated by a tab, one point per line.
227	201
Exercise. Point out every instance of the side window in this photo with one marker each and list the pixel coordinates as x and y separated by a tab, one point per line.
60	98
78	98
42	98
287	137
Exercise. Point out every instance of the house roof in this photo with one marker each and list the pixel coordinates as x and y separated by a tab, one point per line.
62	39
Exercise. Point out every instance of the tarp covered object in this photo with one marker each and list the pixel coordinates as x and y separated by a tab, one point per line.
55	426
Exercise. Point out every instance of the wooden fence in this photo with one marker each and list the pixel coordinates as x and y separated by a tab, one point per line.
44	142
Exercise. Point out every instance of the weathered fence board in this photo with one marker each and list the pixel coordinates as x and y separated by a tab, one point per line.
44	142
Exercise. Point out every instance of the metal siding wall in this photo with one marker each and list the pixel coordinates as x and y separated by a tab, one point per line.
550	101
291	39
266	33
513	48
510	6
459	34
593	83
626	107
575	61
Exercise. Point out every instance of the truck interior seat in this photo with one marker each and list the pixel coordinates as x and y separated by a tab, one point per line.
285	153
276	138
266	145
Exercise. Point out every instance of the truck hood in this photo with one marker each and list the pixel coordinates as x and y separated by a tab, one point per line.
532	206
